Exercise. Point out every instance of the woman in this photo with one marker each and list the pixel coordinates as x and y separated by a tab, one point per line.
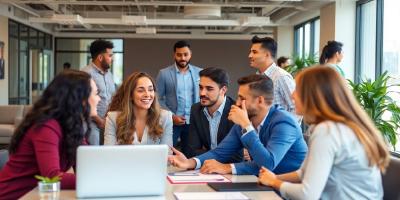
135	117
346	154
332	55
45	142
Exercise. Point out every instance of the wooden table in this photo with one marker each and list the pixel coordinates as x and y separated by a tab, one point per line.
171	188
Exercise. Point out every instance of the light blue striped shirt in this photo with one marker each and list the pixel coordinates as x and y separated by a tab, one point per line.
213	123
184	92
284	86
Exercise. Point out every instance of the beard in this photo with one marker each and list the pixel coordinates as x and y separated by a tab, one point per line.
180	65
105	65
209	104
251	112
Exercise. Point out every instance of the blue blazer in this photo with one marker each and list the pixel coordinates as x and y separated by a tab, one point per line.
279	146
166	86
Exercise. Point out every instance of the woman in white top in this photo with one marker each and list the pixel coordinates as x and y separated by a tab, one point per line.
346	151
135	117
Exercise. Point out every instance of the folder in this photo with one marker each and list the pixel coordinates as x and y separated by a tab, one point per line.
247	186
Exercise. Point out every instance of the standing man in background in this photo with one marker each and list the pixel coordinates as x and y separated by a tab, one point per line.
178	89
101	53
261	56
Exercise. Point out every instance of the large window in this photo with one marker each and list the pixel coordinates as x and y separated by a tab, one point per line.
76	52
378	43
306	38
30	69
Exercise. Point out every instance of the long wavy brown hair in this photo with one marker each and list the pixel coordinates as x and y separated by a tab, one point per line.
122	102
324	95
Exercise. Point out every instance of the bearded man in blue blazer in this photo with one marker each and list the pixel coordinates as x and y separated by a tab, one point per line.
271	135
178	90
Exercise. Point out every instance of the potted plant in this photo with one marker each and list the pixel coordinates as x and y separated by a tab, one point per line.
383	110
48	185
301	62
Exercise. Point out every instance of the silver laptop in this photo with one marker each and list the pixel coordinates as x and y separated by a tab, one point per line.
120	171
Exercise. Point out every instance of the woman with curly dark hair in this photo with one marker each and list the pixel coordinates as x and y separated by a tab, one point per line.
45	142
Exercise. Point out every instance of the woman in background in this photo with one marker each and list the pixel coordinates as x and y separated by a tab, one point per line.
332	55
45	142
346	151
135	117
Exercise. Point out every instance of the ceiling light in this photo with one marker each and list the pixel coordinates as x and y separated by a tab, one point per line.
134	20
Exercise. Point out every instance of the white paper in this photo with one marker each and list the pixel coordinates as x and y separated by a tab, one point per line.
197	178
210	196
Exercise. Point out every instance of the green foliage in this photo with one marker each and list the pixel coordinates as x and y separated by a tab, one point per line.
300	63
374	98
44	179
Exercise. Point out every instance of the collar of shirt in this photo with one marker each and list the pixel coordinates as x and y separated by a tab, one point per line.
268	72
177	69
97	68
220	109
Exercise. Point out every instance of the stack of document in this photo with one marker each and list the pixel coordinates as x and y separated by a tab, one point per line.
210	196
195	177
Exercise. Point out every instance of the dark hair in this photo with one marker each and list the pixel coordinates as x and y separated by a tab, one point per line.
181	44
100	46
282	60
267	43
217	75
260	85
67	65
63	100
329	50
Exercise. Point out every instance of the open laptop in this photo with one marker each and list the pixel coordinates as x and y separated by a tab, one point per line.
120	171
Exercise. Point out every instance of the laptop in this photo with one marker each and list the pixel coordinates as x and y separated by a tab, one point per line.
121	171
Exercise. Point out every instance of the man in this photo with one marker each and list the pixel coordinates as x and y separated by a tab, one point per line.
271	135
209	122
261	56
101	53
178	91
283	62
67	65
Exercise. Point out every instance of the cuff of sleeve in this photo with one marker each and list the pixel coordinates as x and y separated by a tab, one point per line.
198	163
282	189
233	169
249	128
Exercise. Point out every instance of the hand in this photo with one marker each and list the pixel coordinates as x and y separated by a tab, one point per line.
246	155
213	166
239	115
180	160
268	178
100	122
178	120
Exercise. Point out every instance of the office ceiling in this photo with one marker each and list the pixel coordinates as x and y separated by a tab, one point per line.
164	16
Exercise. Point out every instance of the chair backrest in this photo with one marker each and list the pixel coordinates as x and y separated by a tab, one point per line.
8	113
391	180
3	157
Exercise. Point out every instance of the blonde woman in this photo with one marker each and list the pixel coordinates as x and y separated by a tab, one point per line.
347	153
135	117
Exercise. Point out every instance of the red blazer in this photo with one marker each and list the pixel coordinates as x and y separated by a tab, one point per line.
37	154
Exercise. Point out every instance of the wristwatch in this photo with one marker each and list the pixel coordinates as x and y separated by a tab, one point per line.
244	130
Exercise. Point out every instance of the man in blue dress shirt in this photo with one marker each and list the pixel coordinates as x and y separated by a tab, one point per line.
271	135
177	88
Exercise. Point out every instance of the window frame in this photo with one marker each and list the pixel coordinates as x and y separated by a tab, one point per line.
312	37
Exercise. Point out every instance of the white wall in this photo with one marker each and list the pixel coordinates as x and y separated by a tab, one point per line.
285	37
4	82
345	28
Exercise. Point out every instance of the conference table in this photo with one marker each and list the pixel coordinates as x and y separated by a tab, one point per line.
170	189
